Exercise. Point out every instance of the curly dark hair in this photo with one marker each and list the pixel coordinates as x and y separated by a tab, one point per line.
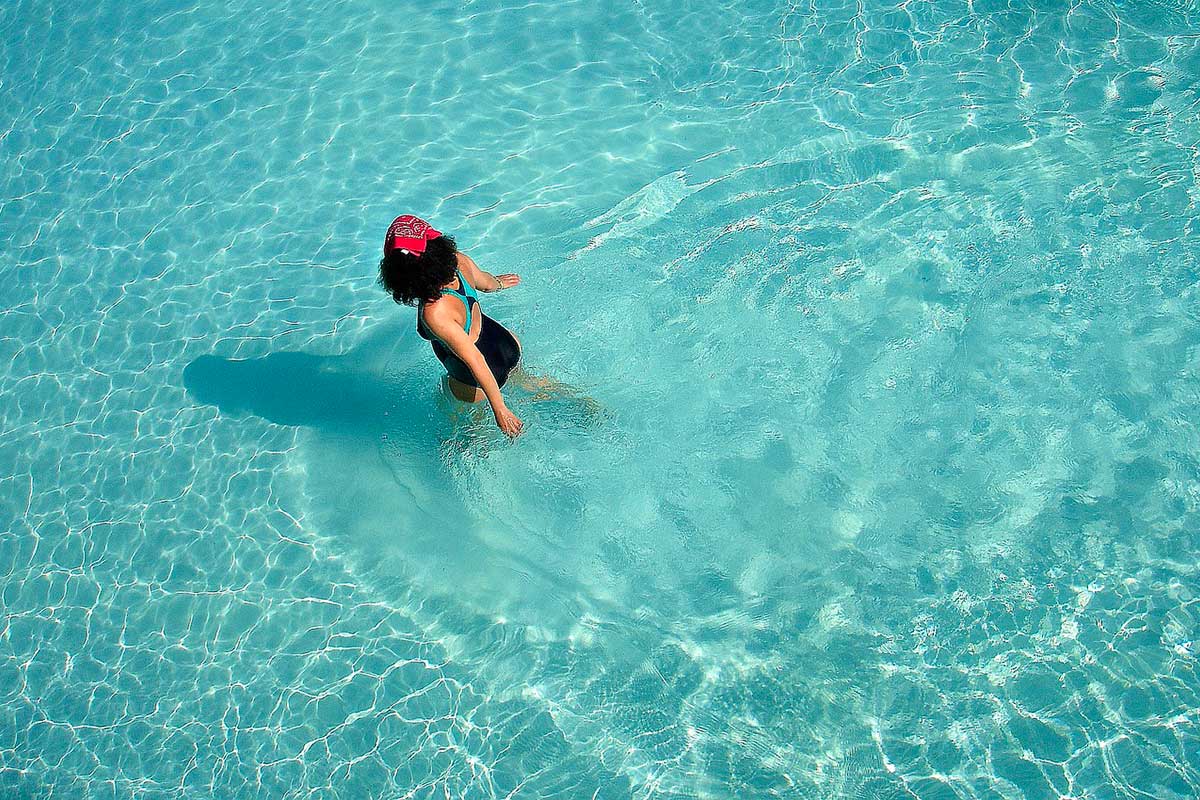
411	279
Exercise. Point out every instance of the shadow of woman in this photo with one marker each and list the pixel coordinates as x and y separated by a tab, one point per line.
294	388
378	447
398	476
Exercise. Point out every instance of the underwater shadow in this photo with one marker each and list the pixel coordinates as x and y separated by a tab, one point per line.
415	490
294	388
373	431
389	464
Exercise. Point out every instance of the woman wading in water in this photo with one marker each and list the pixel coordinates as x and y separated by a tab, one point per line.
423	268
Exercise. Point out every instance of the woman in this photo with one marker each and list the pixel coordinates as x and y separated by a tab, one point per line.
422	267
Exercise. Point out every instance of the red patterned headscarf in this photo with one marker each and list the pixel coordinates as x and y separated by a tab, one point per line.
409	235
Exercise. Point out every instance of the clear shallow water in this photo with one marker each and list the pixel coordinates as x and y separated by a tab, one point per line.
888	310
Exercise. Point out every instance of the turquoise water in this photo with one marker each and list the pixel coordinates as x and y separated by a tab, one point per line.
891	487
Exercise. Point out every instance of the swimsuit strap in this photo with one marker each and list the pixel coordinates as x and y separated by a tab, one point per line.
467	294
467	289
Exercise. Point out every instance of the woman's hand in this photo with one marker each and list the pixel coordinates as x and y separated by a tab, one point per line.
508	422
485	281
506	281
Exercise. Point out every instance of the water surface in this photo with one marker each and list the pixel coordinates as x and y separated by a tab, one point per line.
888	311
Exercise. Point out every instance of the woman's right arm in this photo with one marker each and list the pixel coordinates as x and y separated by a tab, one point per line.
454	337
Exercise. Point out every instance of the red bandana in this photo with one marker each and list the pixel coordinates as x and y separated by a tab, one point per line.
408	234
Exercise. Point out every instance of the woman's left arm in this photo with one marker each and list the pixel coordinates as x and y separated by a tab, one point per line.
484	281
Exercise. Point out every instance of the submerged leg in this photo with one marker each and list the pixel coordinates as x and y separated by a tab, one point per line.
464	392
544	388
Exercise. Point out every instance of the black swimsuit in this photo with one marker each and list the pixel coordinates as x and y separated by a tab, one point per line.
500	348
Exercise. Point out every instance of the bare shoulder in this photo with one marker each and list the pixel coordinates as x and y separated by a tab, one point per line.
439	312
469	269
